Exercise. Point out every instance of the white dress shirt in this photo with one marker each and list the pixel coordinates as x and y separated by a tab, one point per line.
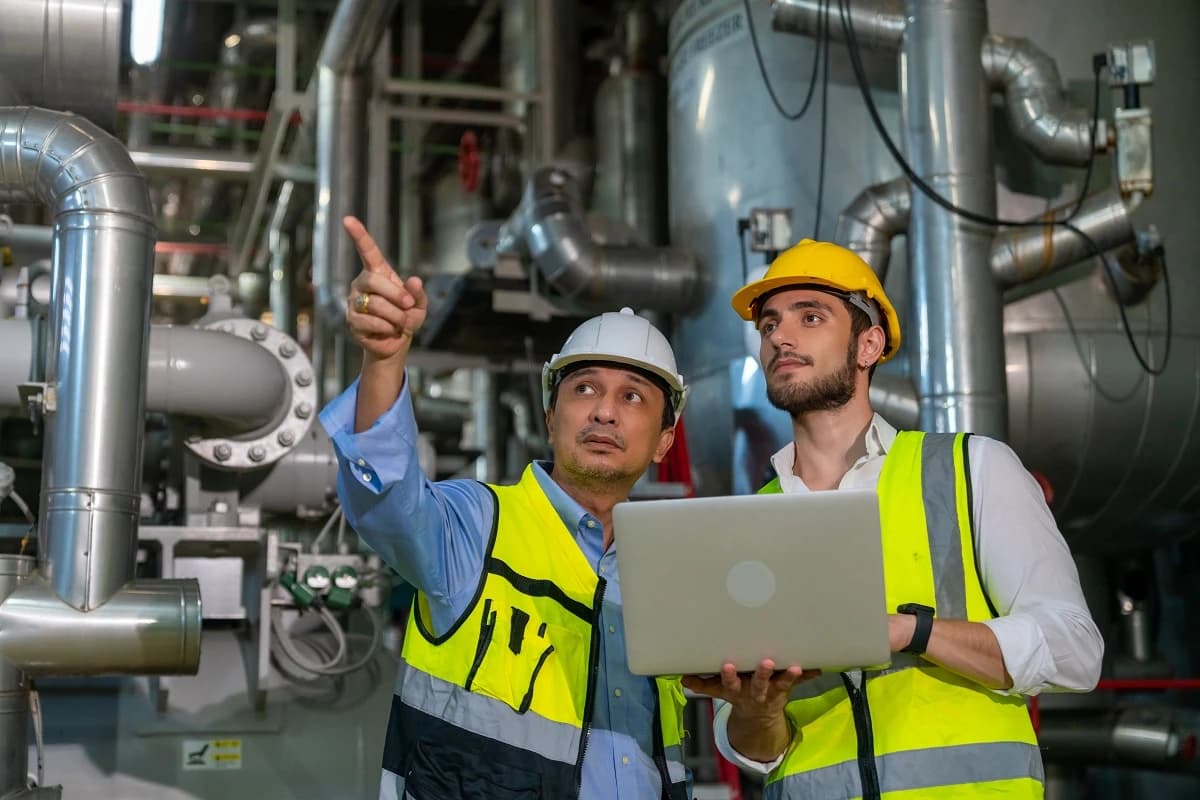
1046	633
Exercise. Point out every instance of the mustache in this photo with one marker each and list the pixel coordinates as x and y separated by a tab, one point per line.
593	430
791	356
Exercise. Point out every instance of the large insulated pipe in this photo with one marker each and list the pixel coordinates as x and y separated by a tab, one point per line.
190	372
876	216
1037	110
14	696
592	275
877	23
957	315
1024	254
63	54
353	35
96	369
148	627
103	262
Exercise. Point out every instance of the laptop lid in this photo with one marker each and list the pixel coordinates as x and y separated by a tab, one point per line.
797	578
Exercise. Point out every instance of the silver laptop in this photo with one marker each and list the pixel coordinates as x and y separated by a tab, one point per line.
797	578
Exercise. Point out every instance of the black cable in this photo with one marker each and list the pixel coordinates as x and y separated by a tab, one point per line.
824	34
864	88
762	69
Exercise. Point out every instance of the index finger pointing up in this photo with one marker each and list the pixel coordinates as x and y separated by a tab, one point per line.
368	251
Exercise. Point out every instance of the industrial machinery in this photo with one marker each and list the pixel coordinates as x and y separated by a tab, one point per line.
184	611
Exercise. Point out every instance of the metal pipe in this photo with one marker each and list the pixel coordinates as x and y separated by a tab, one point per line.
191	372
170	286
958	357
1020	255
460	91
64	55
877	215
877	23
302	483
14	696
283	277
354	33
592	275
147	627
96	371
457	116
486	437
555	78
182	161
1037	109
1134	737
409	234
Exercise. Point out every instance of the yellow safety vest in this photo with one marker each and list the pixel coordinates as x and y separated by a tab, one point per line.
499	706
914	731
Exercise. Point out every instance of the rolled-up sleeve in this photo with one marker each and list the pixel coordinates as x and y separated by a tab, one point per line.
1046	633
433	534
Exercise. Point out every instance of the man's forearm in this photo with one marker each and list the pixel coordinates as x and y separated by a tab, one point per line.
969	649
379	385
758	738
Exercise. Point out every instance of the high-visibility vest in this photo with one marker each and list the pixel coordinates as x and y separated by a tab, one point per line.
914	731
499	706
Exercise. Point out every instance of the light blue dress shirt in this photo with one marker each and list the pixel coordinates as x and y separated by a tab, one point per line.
434	535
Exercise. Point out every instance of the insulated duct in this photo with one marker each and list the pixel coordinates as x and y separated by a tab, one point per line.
591	275
354	33
191	372
956	330
877	23
1037	109
64	55
1131	737
877	215
1024	254
94	398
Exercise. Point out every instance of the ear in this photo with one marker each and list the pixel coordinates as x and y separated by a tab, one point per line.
665	440
870	346
550	426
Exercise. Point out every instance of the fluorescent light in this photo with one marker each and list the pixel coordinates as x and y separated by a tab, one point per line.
146	30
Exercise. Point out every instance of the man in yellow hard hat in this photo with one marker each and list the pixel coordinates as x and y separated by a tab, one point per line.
513	679
986	598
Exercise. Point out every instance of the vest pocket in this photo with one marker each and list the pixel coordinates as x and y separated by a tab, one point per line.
530	664
439	772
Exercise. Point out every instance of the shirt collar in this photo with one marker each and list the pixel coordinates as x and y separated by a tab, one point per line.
568	509
880	436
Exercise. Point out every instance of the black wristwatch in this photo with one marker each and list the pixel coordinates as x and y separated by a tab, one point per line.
920	637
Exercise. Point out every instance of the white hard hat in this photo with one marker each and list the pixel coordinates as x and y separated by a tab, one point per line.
623	338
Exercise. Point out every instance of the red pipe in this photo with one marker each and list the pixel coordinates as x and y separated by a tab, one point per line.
1147	684
199	112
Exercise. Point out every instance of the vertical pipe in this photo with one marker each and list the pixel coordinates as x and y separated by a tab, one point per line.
484	399
411	133
14	695
957	311
283	278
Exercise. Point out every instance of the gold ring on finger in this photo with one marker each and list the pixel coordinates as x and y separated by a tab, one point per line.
361	302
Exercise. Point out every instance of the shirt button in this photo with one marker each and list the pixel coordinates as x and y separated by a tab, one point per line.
612	628
591	523
366	477
362	462
624	759
617	692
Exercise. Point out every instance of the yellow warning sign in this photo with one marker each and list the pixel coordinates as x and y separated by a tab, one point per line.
212	754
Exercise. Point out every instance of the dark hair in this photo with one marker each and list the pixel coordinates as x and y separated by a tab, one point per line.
668	415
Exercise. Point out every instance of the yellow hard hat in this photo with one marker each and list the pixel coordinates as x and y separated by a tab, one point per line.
830	266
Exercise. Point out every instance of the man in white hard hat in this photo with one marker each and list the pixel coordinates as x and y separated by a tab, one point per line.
513	681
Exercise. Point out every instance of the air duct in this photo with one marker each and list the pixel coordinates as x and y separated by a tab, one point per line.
354	33
1143	737
877	215
1024	254
877	23
591	275
93	398
1036	108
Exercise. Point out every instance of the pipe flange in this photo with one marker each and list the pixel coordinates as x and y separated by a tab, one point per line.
269	444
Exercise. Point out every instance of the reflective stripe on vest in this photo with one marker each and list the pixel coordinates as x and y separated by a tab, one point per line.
927	729
506	694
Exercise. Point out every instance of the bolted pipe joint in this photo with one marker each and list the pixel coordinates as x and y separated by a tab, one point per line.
590	275
1037	109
